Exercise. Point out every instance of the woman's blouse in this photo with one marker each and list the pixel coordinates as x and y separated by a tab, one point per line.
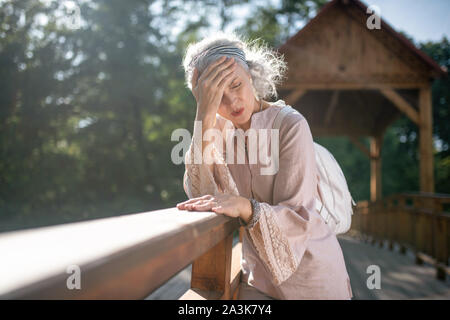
289	252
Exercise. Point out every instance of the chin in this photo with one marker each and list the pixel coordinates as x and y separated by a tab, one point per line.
243	119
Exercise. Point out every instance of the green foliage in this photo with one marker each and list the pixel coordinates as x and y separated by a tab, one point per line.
86	115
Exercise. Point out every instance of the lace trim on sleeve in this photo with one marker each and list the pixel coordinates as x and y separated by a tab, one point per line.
200	179
273	246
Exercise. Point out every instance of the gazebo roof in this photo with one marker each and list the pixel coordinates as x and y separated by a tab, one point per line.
347	79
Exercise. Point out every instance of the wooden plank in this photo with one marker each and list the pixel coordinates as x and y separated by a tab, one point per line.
356	85
375	168
234	281
426	141
212	270
401	104
442	197
339	130
124	257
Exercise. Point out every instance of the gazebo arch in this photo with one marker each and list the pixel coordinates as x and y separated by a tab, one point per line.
349	80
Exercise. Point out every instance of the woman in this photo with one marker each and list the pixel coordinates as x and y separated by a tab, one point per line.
288	250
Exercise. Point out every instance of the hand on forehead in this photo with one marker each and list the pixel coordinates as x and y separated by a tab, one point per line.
240	68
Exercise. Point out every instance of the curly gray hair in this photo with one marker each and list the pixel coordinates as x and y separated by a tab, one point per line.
266	67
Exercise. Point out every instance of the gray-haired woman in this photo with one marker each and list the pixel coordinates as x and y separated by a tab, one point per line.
288	250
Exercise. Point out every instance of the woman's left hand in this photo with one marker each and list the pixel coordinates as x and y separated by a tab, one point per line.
229	205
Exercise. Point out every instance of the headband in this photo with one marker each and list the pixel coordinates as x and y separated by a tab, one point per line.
221	50
226	51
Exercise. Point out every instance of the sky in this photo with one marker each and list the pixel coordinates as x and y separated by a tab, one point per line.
424	20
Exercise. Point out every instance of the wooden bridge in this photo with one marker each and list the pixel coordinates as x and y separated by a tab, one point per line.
406	236
174	254
346	80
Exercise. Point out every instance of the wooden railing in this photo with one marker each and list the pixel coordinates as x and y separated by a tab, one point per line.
419	222
124	257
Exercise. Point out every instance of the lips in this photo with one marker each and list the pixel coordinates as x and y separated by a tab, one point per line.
238	113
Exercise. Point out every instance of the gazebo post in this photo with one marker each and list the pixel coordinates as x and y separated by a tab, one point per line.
375	167
426	140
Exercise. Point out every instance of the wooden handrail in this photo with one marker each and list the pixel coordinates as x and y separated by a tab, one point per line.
123	257
445	198
413	220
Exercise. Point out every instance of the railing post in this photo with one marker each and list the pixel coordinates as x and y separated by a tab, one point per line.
390	223
372	221
440	239
428	235
211	272
417	226
382	223
241	233
403	216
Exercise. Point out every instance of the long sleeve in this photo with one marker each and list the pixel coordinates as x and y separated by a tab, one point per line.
201	178
283	228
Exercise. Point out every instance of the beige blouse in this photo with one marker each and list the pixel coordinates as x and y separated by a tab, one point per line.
290	252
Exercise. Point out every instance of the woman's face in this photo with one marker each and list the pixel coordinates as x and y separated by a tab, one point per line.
238	101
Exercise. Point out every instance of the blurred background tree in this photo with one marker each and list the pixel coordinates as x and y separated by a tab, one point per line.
87	106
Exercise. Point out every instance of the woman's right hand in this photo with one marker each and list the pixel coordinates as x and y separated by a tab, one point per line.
209	86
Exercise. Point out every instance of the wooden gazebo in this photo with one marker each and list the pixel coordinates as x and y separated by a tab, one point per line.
349	80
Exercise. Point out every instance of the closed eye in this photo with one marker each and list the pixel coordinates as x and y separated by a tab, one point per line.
238	85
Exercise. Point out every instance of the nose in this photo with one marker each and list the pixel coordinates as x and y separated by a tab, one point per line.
228	99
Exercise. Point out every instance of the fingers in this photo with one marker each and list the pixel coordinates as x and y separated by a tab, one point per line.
182	205
188	206
200	205
223	69
226	80
188	202
220	204
212	66
214	70
223	74
205	206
